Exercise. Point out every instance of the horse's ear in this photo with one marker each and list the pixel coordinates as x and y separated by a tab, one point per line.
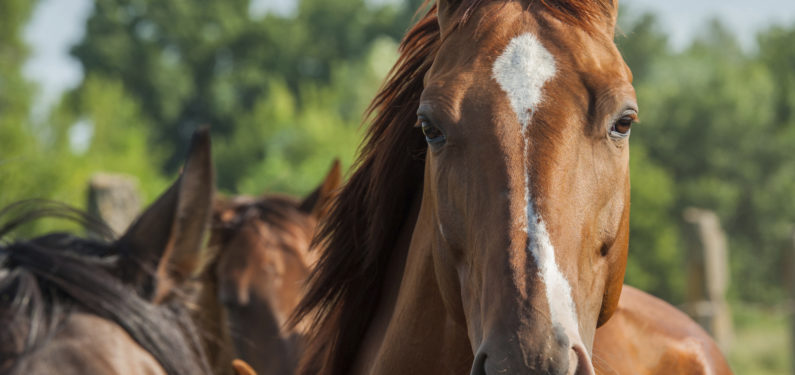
162	248
317	202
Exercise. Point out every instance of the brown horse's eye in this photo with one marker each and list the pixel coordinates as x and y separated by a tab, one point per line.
622	126
433	135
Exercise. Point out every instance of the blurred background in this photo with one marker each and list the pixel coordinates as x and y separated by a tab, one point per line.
117	86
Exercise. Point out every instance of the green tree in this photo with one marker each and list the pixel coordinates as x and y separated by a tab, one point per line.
25	170
281	146
46	160
656	258
655	262
717	120
101	129
168	55
190	64
641	41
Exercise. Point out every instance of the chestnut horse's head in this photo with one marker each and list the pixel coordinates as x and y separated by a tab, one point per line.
526	110
497	242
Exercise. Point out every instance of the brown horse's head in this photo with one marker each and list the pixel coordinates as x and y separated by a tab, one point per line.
497	242
263	260
526	111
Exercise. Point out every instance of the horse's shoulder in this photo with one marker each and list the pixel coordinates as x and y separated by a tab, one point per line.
684	346
693	355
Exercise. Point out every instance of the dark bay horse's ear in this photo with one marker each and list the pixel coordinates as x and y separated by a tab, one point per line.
317	202
161	249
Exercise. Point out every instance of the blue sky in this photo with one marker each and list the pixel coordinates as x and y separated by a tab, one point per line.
58	24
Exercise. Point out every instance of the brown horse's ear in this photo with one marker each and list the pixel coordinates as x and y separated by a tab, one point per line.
242	368
317	203
162	248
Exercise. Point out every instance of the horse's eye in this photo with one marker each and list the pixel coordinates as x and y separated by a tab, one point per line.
433	135
622	126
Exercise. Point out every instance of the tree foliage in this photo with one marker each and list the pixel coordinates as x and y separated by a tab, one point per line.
24	168
212	63
99	128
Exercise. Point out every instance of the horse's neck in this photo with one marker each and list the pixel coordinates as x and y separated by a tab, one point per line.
373	339
260	341
411	331
257	336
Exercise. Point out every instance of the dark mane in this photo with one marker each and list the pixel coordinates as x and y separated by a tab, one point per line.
364	222
45	279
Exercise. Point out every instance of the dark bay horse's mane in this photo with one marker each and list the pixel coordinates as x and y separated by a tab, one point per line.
45	279
366	219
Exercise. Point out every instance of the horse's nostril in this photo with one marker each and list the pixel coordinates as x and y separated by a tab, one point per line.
479	364
561	337
580	361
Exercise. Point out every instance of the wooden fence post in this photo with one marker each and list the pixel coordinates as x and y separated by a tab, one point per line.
114	198
708	275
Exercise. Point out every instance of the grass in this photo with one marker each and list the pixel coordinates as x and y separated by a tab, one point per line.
761	343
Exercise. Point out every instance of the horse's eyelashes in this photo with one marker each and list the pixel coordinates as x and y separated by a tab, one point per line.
623	124
621	127
433	135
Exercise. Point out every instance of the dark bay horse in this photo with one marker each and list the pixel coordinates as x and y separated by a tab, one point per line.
485	227
70	305
256	279
646	335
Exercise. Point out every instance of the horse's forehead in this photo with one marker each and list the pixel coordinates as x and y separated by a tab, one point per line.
259	241
495	27
521	70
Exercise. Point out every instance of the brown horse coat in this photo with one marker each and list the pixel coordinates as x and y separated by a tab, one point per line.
646	335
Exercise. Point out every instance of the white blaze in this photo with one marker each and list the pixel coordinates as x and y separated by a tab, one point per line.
522	70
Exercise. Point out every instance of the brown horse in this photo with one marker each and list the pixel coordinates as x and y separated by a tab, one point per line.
485	228
256	280
70	305
646	335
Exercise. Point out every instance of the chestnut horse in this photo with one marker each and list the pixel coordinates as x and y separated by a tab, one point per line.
262	258
485	227
263	241
646	335
70	305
